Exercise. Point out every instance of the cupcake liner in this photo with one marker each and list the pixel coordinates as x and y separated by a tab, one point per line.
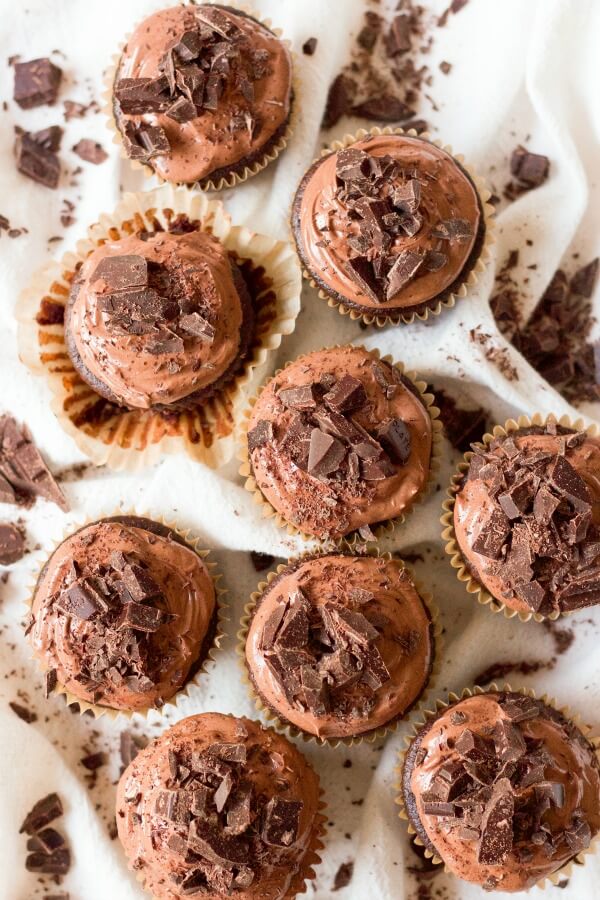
397	317
484	597
218	622
292	731
130	439
232	178
423	715
379	530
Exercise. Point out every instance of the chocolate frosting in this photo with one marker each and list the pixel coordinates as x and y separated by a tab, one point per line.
158	359
330	488
504	789
527	519
121	612
221	804
426	210
329	673
249	111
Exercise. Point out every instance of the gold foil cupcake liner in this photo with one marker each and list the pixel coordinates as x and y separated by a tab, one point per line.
232	179
424	715
376	734
435	307
220	621
452	548
379	530
129	439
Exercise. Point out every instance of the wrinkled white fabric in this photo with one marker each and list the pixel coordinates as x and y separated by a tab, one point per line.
521	72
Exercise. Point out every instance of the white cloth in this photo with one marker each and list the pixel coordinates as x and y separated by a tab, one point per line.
521	72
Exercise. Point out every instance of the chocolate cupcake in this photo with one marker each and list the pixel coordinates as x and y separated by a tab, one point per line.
339	646
158	320
220	807
340	440
526	519
202	94
503	789
388	227
123	613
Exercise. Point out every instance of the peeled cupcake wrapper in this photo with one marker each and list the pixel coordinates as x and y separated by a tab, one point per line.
232	178
452	548
397	317
424	715
353	538
376	734
131	439
312	857
222	617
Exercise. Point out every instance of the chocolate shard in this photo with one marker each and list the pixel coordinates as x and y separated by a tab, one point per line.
496	839
404	269
90	151
195	324
37	163
438	808
293	633
530	168
189	45
139	582
46	841
394	436
281	821
453	230
120	273
569	483
515	501
49	138
45	811
154	140
509	741
398	38
346	395
222	793
218	848
175	806
519	709
12	544
57	863
351	165
407	196
545	505
36	83
375	672
271	627
533	593
339	100
474	747
229	752
325	453
181	110
350	625
584	280
81	600
261	434
360	269
191	81
141	617
579	835
137	96
239	813
302	397
493	534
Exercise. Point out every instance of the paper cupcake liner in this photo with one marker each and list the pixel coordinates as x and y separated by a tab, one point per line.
218	621
130	439
379	530
232	178
435	307
452	548
292	731
424	715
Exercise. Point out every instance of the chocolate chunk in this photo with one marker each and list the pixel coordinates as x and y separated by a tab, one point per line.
36	83
200	795
261	561
81	600
407	196
510	743
195	324
396	440
533	593
530	168
166	341
293	632
492	535
229	752
281	821
90	151
189	45
222	793
49	138
141	617
50	682
261	434
516	499
351	164
57	863
174	806
453	230
473	746
545	505
519	709
137	96
383	107
343	876
45	811
404	269
12	544
361	270
398	39
153	141
346	395
46	841
325	453
375	672
239	815
567	481
182	110
578	836
26	715
438	808
218	848
309	46
37	163
351	625
496	838
191	81
584	279
7	494
22	466
120	273
451	780
339	100
93	761
302	397
271	627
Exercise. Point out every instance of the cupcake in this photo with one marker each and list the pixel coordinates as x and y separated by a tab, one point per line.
503	789
123	613
219	807
203	93
527	519
158	320
340	440
389	226
340	645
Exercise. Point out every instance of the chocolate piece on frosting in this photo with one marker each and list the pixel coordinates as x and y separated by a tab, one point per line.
281	822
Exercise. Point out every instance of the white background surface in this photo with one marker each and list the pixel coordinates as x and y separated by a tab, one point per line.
522	71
